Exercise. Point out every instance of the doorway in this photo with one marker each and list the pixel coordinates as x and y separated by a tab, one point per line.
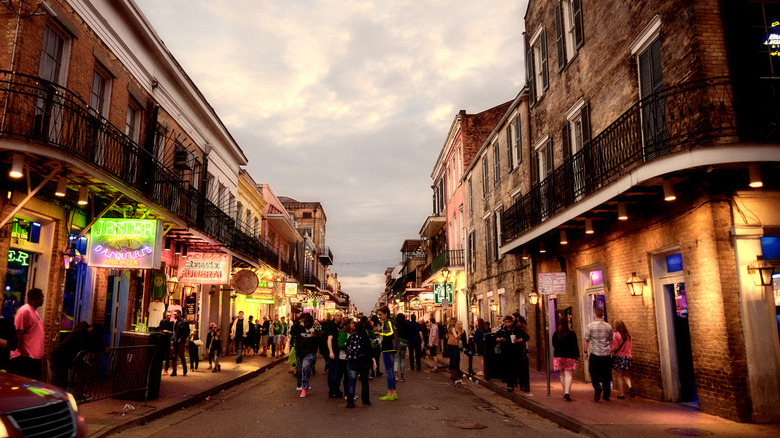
590	284
682	338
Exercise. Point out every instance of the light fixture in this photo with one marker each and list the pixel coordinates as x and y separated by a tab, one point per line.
493	306
542	249
83	195
62	187
564	240
588	226
533	297
622	213
188	289
172	282
669	191
635	285
761	271
755	176
525	254
17	168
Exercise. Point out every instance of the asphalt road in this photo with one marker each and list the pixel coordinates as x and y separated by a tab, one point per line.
428	405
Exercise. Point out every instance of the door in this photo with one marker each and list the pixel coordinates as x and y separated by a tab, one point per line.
682	340
112	310
590	283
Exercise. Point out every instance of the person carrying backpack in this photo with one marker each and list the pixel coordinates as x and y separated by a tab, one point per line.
360	359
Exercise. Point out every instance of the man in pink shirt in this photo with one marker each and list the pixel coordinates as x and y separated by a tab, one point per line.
26	359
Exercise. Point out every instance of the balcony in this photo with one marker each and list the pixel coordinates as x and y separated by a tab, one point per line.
684	118
326	257
311	281
451	260
41	112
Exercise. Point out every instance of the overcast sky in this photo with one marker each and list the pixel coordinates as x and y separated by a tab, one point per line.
348	102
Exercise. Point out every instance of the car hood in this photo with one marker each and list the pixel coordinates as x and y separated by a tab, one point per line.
17	392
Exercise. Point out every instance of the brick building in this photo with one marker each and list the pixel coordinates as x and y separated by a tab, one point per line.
653	156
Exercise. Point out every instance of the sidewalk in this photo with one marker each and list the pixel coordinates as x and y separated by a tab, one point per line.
637	417
107	416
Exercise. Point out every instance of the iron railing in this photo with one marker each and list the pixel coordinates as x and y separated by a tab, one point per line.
123	370
34	110
688	116
447	259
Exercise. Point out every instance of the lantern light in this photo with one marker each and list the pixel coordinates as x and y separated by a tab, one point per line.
761	271
635	285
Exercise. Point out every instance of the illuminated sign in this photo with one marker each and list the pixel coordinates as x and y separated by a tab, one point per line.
290	289
266	284
21	258
773	39
415	303
553	283
259	301
441	291
205	268
125	243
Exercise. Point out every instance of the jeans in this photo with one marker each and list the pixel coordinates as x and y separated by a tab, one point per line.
600	368
239	349
454	354
388	357
335	375
415	357
306	364
178	353
355	370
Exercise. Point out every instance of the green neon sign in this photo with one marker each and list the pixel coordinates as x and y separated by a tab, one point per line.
20	257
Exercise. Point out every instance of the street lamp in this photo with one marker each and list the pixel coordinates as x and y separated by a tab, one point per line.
761	271
172	282
493	306
635	285
533	297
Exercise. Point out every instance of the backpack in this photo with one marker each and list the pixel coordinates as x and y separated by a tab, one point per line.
355	347
342	341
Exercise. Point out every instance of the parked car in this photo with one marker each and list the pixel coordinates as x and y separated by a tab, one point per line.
32	408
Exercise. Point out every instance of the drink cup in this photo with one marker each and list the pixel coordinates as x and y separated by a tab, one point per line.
512	338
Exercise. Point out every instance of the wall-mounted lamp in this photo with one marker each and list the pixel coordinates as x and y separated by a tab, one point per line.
588	226
62	187
473	304
533	297
188	289
564	240
622	213
493	306
669	191
761	271
635	285
755	176
17	167
83	195
172	282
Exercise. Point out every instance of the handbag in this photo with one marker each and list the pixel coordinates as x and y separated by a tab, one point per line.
197	342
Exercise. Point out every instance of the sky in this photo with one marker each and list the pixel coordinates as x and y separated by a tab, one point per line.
348	102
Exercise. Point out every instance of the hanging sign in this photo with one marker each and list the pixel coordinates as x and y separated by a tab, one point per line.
290	289
552	283
244	282
415	303
442	291
205	268
266	284
773	39
125	243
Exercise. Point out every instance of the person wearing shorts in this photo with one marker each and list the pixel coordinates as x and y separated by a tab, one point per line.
433	342
277	333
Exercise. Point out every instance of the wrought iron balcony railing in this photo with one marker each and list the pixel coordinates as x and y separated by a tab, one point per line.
447	259
688	116
34	110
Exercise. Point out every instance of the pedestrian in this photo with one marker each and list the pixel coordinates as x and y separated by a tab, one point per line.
277	331
285	332
597	337
166	328
389	346
524	371
377	340
181	331
214	346
622	359
209	335
511	340
252	338
453	350
433	343
26	358
403	342
332	331
479	341
359	356
265	335
415	343
8	341
238	334
566	351
194	347
82	338
306	350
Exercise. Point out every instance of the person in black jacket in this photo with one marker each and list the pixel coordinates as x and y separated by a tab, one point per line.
181	331
306	346
512	341
566	351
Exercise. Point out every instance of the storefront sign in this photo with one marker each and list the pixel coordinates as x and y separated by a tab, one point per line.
552	283
426	297
266	284
189	307
245	282
259	301
18	258
125	243
416	303
773	39
290	289
205	268
442	291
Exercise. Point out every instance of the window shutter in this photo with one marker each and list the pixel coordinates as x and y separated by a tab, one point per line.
534	168
585	116
579	37
530	76
494	250
565	141
496	164
488	238
485	176
559	38
545	76
510	161
518	139
548	164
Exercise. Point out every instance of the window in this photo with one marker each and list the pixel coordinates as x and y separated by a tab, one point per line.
496	164
52	55
568	30
460	163
541	168
651	83
514	144
133	121
497	231
472	251
462	229
575	135
488	241
308	232
239	214
485	176
159	142
471	198
256	228
536	65
100	94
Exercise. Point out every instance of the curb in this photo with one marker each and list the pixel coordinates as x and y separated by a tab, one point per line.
537	408
191	400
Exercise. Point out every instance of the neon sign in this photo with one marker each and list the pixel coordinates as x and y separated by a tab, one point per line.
442	291
125	243
20	257
773	39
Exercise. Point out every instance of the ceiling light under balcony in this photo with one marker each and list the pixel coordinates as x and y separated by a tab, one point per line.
62	187
83	195
589	226
17	167
622	213
669	191
564	240
542	249
755	176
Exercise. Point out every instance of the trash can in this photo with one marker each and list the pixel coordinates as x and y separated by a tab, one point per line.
492	361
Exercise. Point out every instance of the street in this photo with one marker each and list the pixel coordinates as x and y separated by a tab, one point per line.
428	405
